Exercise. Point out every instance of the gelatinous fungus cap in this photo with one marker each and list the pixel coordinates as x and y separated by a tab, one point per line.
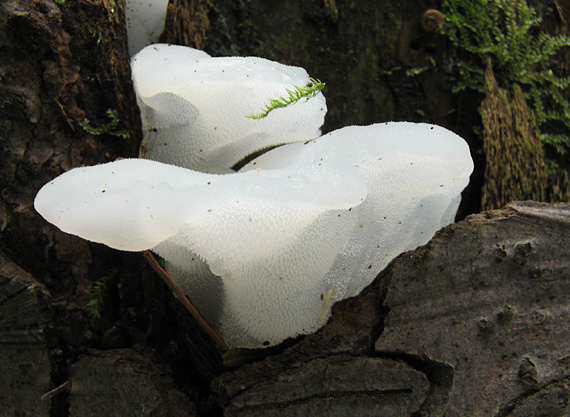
264	253
197	110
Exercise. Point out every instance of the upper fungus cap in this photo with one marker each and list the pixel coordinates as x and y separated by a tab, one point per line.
195	108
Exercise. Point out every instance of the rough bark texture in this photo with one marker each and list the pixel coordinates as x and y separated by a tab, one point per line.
24	352
61	64
474	323
187	23
492	312
123	383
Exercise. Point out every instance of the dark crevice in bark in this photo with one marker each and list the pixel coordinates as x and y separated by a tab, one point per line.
439	375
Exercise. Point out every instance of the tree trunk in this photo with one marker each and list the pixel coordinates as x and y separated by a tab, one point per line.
488	297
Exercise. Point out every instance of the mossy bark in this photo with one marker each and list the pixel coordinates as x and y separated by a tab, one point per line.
514	167
559	190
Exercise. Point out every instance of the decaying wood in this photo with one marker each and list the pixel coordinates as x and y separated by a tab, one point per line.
487	300
481	313
187	23
124	383
62	64
24	352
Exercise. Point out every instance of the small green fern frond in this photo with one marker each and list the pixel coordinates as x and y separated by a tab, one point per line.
312	88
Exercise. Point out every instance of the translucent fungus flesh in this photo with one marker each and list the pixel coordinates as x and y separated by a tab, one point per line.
195	108
145	22
265	252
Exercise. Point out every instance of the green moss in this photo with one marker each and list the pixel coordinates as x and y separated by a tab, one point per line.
99	292
312	88
507	31
560	187
109	128
97	33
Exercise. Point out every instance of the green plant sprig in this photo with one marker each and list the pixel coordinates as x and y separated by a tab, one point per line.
312	88
98	294
109	128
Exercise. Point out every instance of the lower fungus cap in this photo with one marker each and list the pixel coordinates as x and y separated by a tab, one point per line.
264	253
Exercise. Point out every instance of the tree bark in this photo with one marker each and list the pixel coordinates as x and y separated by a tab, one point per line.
24	351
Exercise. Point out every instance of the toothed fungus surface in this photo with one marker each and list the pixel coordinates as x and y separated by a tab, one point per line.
196	110
264	253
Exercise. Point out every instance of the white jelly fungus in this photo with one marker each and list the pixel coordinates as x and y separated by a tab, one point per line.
195	108
265	252
145	22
